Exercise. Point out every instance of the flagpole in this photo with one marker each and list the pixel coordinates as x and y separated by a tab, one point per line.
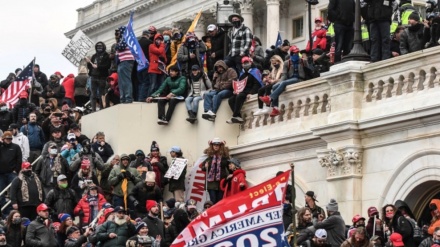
33	78
292	168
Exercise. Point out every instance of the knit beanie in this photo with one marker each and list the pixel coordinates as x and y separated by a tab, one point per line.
140	225
332	205
150	204
154	146
171	203
150	177
63	217
414	16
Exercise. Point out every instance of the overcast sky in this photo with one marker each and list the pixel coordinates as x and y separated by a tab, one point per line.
36	29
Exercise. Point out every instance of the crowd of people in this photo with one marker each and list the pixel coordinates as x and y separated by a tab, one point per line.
57	174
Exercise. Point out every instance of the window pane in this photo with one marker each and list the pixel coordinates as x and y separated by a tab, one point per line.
298	28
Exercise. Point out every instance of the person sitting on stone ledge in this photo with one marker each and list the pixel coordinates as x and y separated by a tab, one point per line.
172	90
293	72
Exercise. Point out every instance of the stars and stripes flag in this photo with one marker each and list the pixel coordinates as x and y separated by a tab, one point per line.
134	46
279	40
21	83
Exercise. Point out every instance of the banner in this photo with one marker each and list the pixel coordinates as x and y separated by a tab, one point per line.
77	48
251	218
239	86
195	184
176	168
134	46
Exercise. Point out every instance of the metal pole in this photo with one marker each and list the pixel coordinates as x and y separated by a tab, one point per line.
309	8
292	168
6	189
7	204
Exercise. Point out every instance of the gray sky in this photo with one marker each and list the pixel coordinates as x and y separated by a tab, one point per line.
36	29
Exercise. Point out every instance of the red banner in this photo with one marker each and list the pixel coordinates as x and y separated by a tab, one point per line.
251	218
239	85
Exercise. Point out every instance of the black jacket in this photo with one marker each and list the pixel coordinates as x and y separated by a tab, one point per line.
217	45
102	60
141	194
341	12
16	191
377	11
10	158
104	151
41	78
15	234
5	120
38	235
145	43
76	243
61	200
155	226
21	111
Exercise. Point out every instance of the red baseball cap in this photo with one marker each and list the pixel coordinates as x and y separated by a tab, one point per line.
396	239
59	73
318	19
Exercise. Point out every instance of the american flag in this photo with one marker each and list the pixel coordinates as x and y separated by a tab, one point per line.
21	83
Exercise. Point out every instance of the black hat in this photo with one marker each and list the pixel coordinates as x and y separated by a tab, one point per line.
195	67
18	69
317	51
154	146
235	15
174	68
312	195
54	130
13	126
414	16
285	43
71	230
235	161
119	209
74	126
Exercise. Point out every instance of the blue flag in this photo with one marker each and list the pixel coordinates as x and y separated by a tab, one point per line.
134	46
279	40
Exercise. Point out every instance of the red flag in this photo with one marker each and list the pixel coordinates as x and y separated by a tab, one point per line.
253	217
10	95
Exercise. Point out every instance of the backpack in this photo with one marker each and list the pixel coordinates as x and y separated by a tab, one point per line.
26	129
416	229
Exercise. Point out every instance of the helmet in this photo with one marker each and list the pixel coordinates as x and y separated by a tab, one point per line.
42	207
294	49
357	218
25	165
85	164
152	29
246	59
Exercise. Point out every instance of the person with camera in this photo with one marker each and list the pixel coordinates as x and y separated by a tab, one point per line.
61	198
70	148
116	230
189	53
142	238
75	238
83	179
54	90
87	153
21	110
123	179
54	121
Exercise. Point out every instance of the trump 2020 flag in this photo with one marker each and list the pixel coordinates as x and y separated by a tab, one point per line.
134	46
251	218
279	40
21	83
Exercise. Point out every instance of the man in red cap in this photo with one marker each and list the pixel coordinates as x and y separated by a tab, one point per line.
40	231
26	191
60	76
373	218
22	109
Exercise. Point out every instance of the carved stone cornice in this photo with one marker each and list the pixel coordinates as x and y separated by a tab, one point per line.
341	163
246	6
273	2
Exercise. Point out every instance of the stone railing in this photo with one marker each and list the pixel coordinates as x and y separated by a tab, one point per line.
300	101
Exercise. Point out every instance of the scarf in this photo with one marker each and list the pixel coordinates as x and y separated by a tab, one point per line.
214	172
56	166
25	188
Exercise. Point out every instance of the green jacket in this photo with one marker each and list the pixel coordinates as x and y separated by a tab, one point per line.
176	86
124	232
116	182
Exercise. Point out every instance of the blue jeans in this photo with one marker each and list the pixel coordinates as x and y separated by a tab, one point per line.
124	80
214	98
192	103
215	195
144	85
279	87
5	180
344	40
380	40
155	82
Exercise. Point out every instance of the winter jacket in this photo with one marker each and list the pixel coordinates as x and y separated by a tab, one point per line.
124	232
177	86
36	196
341	12
95	161
141	195
21	111
5	83
155	226
289	70
76	243
436	223
234	185
41	78
159	168
23	142
402	225
413	38
224	80
319	39
178	184
61	200
253	82
15	234
259	56
145	43
218	44
205	84
102	60
224	172
69	86
39	235
35	135
68	154
348	243
10	158
5	120
78	179
377	11
48	177
116	181
80	83
335	227
156	54
84	207
104	151
133	242
183	56
427	242
58	92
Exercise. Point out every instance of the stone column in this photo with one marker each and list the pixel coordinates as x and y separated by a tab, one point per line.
200	29
247	7
273	21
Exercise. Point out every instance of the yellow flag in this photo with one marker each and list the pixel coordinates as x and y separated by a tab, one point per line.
190	29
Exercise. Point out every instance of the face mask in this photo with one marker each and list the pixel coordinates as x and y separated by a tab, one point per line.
389	215
72	115
62	186
27	172
276	66
158	41
236	24
23	101
16	221
53	151
4	108
166	38
294	57
247	66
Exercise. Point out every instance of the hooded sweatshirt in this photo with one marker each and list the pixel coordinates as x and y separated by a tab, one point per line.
69	86
157	53
436	223
102	60
224	80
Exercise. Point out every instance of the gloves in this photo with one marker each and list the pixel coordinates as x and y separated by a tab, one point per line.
121	175
81	213
128	175
136	203
315	214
